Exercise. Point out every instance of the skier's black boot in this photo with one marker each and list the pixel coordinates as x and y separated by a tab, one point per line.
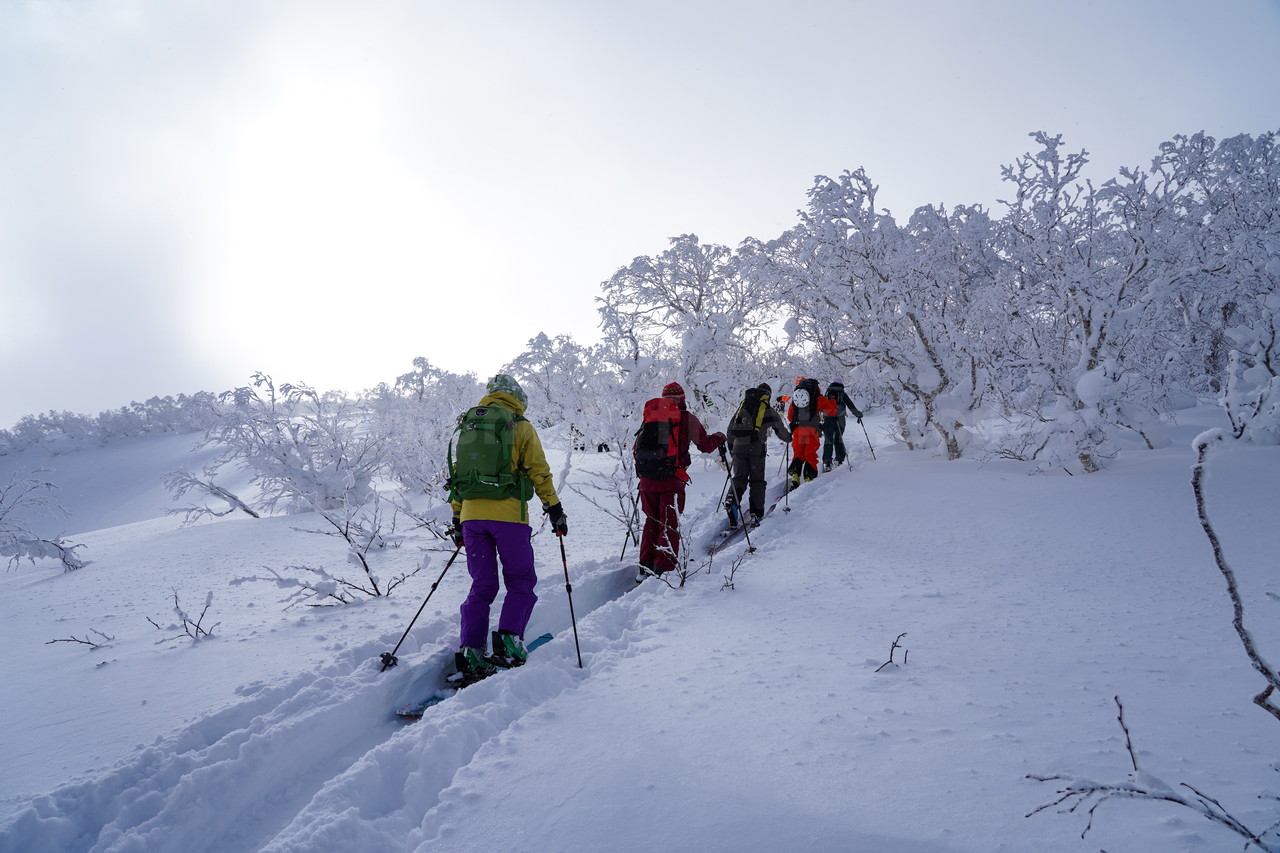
731	507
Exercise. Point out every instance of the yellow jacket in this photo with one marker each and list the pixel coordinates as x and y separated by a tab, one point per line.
526	457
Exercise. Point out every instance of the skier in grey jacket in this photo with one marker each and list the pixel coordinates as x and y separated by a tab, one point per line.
748	433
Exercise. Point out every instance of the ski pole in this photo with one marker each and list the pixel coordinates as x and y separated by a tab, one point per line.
864	432
568	588
737	504
786	484
724	460
728	474
389	658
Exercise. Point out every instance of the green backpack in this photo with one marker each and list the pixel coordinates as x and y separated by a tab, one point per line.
480	457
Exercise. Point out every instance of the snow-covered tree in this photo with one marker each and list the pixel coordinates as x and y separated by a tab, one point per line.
1231	293
894	304
1079	291
697	307
308	452
56	431
416	417
65	431
553	373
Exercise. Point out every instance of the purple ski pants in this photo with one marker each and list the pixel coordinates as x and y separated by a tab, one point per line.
487	542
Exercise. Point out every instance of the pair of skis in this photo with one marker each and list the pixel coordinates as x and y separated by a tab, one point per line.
730	535
415	710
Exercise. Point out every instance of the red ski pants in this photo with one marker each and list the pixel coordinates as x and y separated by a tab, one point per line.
660	541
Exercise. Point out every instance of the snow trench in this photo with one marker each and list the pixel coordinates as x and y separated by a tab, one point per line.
320	761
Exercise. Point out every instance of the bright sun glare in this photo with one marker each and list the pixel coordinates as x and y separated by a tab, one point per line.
320	220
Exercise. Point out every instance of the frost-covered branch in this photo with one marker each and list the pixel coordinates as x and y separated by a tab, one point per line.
182	482
323	590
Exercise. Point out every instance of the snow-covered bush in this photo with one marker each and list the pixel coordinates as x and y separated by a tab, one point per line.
303	450
307	452
365	530
24	506
189	625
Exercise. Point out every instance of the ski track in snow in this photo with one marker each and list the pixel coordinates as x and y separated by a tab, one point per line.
306	764
237	779
425	761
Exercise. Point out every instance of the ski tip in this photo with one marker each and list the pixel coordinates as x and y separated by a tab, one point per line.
418	709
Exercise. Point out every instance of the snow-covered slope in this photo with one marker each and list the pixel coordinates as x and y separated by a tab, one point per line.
754	718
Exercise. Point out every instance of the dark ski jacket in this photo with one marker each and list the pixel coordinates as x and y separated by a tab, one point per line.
835	393
757	443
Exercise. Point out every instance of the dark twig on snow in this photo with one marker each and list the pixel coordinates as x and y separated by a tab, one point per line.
90	643
733	571
896	645
193	628
1263	699
684	569
1128	741
1079	792
1144	786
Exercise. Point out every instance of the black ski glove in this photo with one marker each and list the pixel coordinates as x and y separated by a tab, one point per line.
454	531
559	521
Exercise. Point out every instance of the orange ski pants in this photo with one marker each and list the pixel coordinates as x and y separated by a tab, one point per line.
805	441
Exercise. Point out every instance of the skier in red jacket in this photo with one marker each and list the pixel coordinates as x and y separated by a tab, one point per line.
662	499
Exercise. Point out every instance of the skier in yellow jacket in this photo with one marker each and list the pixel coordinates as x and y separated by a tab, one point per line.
497	528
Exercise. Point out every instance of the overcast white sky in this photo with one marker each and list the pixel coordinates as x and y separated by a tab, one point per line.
191	190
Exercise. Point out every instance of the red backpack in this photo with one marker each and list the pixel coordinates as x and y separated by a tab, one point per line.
657	446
